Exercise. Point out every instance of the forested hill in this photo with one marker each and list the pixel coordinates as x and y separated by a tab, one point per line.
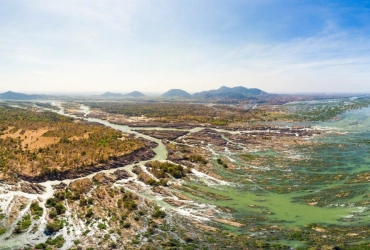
230	93
135	94
19	96
177	93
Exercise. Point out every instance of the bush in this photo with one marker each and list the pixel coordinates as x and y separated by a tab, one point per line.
130	205
41	246
51	202
60	208
89	213
161	169
54	226
23	225
126	225
198	158
57	241
36	210
219	161
158	213
53	213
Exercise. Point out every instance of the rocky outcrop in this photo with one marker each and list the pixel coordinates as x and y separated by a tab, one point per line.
163	134
144	177
59	186
81	186
121	174
137	170
103	179
115	162
32	188
204	137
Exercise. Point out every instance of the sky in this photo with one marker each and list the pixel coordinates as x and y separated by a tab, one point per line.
94	46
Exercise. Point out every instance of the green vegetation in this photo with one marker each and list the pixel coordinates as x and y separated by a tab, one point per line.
57	241
129	201
36	210
54	226
218	115
162	169
248	156
220	162
280	181
46	105
126	225
323	110
198	158
2	216
23	224
158	213
57	205
41	246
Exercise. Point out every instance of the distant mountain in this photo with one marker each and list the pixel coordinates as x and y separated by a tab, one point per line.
177	93
20	96
230	93
110	94
135	94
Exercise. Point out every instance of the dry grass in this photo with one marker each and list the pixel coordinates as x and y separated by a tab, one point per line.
32	139
77	138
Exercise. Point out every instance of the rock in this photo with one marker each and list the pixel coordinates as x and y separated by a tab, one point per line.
40	199
144	177
61	185
173	202
205	136
81	185
121	174
163	134
32	188
137	169
137	156
102	178
162	191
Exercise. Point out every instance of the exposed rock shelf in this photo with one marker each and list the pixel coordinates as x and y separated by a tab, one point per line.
138	155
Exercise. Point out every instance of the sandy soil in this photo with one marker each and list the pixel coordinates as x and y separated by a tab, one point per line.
32	139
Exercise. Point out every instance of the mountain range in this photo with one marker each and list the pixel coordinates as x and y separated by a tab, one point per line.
229	93
235	93
20	96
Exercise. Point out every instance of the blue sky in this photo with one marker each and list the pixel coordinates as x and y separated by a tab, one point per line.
76	46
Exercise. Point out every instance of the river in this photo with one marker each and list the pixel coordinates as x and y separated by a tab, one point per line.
342	153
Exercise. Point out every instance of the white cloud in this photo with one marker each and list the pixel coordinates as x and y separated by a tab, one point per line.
112	14
122	45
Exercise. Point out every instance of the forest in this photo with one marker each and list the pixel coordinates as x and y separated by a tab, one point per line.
218	115
34	143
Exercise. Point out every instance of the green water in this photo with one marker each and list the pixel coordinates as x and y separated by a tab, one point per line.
321	191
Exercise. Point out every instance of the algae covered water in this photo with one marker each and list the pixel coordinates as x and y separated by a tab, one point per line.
326	183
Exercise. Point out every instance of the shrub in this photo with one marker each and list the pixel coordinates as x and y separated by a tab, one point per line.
54	226
158	213
89	213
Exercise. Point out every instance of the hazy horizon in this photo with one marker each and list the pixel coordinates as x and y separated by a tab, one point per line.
156	94
152	46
